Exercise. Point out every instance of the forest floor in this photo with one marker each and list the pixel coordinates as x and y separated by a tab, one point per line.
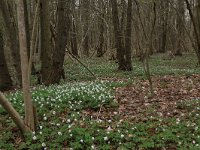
173	97
115	111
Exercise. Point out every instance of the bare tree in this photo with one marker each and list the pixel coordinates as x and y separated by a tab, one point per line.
196	30
128	36
63	27
180	27
46	45
118	36
29	112
11	33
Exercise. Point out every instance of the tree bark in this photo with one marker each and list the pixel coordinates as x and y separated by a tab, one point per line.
164	24
29	113
100	47
74	45
118	36
11	31
63	27
196	31
5	79
86	14
128	37
46	49
180	27
73	32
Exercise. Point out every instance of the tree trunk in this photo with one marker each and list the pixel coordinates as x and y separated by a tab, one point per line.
180	27
74	45
29	113
46	50
57	70
164	24
11	31
196	31
5	79
100	47
73	32
128	36
118	36
86	7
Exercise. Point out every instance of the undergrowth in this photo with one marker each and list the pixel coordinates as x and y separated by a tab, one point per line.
65	120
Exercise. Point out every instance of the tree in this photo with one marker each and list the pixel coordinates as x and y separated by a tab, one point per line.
164	25
73	30
196	30
123	45
100	46
11	33
57	70
29	112
5	79
180	27
118	36
46	47
128	36
86	15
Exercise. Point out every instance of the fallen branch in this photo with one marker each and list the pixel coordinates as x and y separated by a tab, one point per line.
81	63
13	114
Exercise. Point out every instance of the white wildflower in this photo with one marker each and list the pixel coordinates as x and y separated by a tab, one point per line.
43	144
34	137
60	133
105	138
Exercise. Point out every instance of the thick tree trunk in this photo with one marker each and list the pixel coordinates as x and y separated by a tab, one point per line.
46	49
11	31
118	36
57	70
5	79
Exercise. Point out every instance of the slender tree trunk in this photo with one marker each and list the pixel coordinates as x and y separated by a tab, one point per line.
164	24
86	7
73	33
100	47
118	36
29	112
196	31
28	33
128	36
74	45
180	27
5	79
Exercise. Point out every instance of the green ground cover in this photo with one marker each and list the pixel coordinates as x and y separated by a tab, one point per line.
70	114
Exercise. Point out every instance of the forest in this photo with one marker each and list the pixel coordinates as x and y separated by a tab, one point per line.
100	74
